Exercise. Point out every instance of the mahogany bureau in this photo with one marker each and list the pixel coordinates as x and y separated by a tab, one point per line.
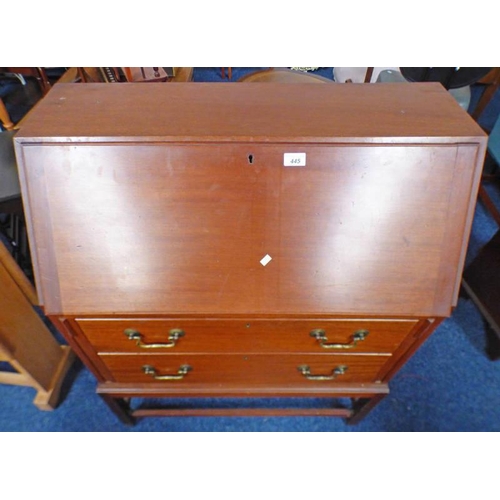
248	242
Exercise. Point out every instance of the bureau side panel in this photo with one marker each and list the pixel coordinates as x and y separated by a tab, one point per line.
38	223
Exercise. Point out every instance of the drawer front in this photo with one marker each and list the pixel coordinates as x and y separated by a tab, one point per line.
245	336
232	370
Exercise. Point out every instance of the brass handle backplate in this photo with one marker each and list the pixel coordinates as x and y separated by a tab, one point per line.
320	336
174	335
306	371
181	372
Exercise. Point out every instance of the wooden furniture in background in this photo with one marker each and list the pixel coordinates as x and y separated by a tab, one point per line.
39	74
482	277
94	75
12	226
491	82
481	281
494	176
368	75
283	75
5	117
229	73
144	74
264	241
25	341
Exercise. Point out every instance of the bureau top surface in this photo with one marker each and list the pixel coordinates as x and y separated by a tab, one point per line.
259	112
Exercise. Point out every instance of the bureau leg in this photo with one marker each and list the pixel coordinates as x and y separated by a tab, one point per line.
120	407
362	406
493	343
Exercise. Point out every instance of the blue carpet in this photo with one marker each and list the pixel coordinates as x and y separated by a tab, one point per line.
449	385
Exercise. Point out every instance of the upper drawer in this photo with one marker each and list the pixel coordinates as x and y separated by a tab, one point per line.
247	336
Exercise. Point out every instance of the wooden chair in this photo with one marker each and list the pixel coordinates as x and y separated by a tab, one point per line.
481	279
94	75
229	73
494	153
491	82
39	74
26	343
5	117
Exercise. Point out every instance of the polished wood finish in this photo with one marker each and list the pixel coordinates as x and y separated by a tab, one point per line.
208	112
252	371
243	412
159	225
294	218
366	396
155	390
257	336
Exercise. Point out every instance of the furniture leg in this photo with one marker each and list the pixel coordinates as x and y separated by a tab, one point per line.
42	79
488	93
492	82
120	407
489	204
492	344
480	281
4	117
49	399
362	407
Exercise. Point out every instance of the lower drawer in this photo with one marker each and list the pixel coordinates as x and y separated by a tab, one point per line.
297	370
136	335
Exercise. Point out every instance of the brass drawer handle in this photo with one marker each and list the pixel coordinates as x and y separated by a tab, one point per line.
320	336
181	372
306	371
174	335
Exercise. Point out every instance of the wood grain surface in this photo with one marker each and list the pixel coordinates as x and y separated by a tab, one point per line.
361	230
241	370
252	335
248	111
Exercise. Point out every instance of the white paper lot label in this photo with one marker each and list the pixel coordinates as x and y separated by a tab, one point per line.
265	260
294	160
